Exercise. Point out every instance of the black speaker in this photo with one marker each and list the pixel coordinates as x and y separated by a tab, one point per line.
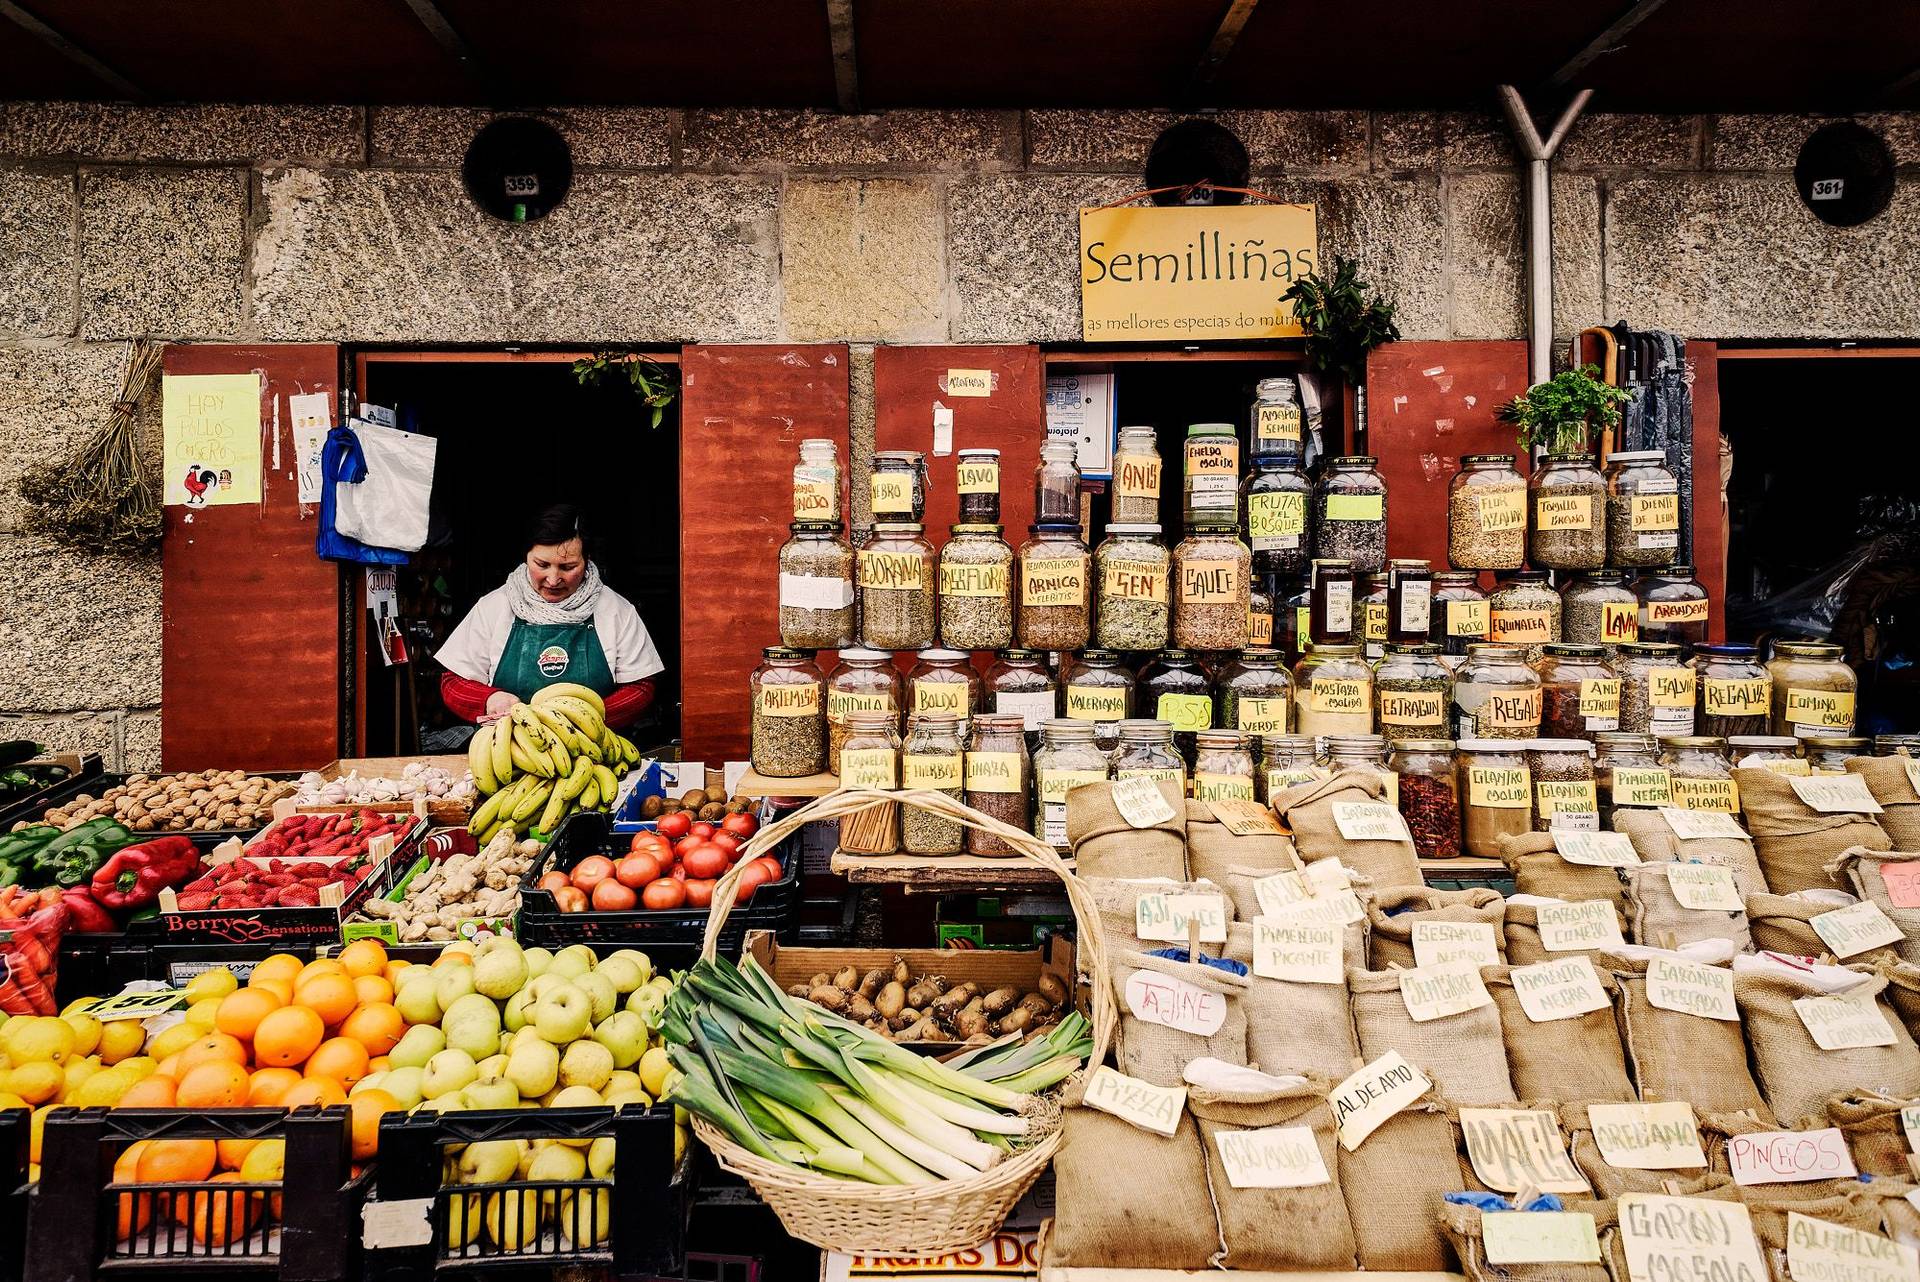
1844	173
1197	151
518	169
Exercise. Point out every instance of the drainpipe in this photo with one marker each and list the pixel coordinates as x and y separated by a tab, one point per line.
1539	220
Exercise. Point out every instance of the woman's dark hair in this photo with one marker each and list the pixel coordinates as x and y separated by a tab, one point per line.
559	523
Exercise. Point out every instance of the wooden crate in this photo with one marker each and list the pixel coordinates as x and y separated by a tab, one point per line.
445	812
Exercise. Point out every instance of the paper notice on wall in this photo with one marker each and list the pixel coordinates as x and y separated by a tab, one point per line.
210	439
312	419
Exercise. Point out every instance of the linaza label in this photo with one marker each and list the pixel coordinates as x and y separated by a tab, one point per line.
1340	694
1737	696
1132	581
949	698
1209	582
1058	581
1276	425
1511	709
893	571
958	579
1096	703
1136	476
978	476
1522	626
797	699
993	772
1412	708
1467	618
1276	522
1562	511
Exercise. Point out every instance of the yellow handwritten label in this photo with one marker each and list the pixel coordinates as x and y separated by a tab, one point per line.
932	772
892	493
1562	511
1185	711
1565	796
969	382
1412	708
1706	794
1619	621
994	772
1736	696
1213	455
868	768
1302	623
1262	716
1209	786
1670	687
1467	618
1676	612
1356	507
1656	512
1210	582
841	702
1096	703
794	700
1498	787
1522	626
1276	516
1056	784
1277	423
893	571
1291	776
1600	698
1829	709
1059	581
1500	511
1511	709
1136	477
1373	620
1259	628
973	580
978	477
1641	786
950	698
1340	694
1151	772
815	501
1132	581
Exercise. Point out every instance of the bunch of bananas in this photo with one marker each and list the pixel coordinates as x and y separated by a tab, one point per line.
544	760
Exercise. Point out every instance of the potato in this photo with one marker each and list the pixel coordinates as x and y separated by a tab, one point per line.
712	811
693	799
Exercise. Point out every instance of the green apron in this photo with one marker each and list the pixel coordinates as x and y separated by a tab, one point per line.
539	654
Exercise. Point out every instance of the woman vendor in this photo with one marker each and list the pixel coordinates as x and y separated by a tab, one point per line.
552	621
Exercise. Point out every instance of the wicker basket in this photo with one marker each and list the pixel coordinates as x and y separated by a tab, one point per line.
906	1219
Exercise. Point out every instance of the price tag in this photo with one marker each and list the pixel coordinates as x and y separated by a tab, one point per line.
1438	942
1855	929
1274	1157
1298	952
1789	1157
1835	794
1373	1094
1690	824
1435	992
1511	1147
1243	817
1903	883
1539	1237
1637	786
1560	989
1690	988
1369	821
1665	1238
1595	849
134	1005
1648	1137
1703	887
1590	923
1844	1022
1279	891
1822	1249
1165	917
386	1225
1140	803
1142	1104
1174	1003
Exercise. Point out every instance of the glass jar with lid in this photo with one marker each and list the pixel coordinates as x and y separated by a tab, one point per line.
1294	610
816	482
1056	589
933	760
1146	752
1409	602
1567	499
1828	755
1287	760
1461	615
789	730
1372	593
1212	473
1067	758
1673	606
1332	691
1524	611
1260	602
816	587
1496	695
1363	752
1735	695
896	577
1254	695
1134	604
1429	795
976	589
1579	691
1100	690
943	682
1643	509
1487	514
1896	745
998	774
1412	692
1277	426
1175	687
1212	572
1492	777
1779	753
1599	608
1136	478
897	486
1350	514
1222	767
1656	689
977	479
865	681
1332	612
1813	690
1700	772
1021	684
871	759
1276	494
1563	790
1056	484
1627	775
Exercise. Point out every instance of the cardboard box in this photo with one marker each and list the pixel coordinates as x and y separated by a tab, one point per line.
387	931
445	812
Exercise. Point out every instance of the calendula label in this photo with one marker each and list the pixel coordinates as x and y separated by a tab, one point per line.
892	493
1706	794
973	580
1656	512
1185	711
841	702
1677	611
1276	516
1497	787
1210	582
894	571
1600	697
1136	477
1259	628
1412	708
1096	703
1590	923
978	477
1209	786
1373	621
1619	621
1670	687
994	772
1562	511
1522	626
1132	581
1058	581
1467	618
948	698
1340	694
1511	709
1056	784
1262	715
1820	711
1736	697
1501	510
1279	424
933	772
867	768
1565	797
815	500
1642	786
1356	507
800	699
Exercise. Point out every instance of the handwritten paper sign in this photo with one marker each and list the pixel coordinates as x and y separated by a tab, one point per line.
1369	821
1243	818
210	439
1278	891
1438	942
1165	917
1691	989
1140	803
1903	883
1855	929
1704	887
1149	1107
1690	824
1558	989
1648	1137
1511	1147
1174	1003
1843	1022
1435	992
1298	952
1274	1157
1374	1093
1688	1237
1590	923
1835	794
1539	1237
1340	909
1595	849
1789	1157
1819	1249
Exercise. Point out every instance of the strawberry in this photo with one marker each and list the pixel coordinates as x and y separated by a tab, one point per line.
195	900
298	895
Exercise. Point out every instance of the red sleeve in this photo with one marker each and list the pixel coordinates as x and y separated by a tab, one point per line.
465	699
627	702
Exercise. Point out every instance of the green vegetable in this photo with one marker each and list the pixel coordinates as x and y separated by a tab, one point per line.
1562	413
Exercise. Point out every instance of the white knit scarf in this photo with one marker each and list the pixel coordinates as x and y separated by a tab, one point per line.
530	607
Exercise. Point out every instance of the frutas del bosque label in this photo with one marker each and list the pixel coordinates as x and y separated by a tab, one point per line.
867	768
1340	694
973	580
1262	716
1135	477
1185	711
1498	787
799	699
841	702
933	772
1133	581
1096	703
1656	511
1276	516
892	492
1676	612
1830	709
1501	511
1521	626
1562	511
1619	622
1670	687
1412	708
1467	618
1209	582
1511	708
978	478
1737	696
893	571
993	772
1211	786
1059	581
954	698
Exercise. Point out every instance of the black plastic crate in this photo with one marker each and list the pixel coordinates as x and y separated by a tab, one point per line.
311	1235
15	1128
775	906
30	807
96	784
633	1225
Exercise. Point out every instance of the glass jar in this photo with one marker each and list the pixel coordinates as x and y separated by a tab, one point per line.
976	589
1673	607
1643	509
1627	776
865	681
1409	602
1056	484
1254	695
977	480
1100	690
1460	612
1363	752
1222	767
1429	795
1287	760
1295	609
1173	687
1332	691
1021	684
1579	692
1813	690
1134	606
1331	606
871	759
1656	689
1260	600
933	760
1491	774
1067	758
1276	494
789	714
944	683
1136	478
816	482
1212	473
1524	611
1735	694
1056	590
896	577
1896	745
1212	571
1496	695
1567	500
998	770
816	587
1599	608
1563	791
1372	591
1350	514
1487	514
1276	419
1828	755
1700	773
1779	753
1412	692
1146	752
897	486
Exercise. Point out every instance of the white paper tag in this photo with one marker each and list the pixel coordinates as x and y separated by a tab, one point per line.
806	592
1692	989
1032	707
1688	1237
1374	1093
1435	992
1855	929
1789	1157
1590	923
1140	803
1342	909
1327	877
1369	821
1165	917
1298	952
1173	1002
1274	1157
1560	989
385	1225
1510	1147
1818	1249
1690	824
1704	887
1913	773
1149	1107
1835	794
1539	1237
1844	1022
1280	890
1648	1137
1910	1123
1437	942
1595	849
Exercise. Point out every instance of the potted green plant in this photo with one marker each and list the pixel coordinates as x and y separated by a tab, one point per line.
1342	323
1563	414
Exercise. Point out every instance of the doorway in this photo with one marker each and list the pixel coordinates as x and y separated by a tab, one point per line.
517	433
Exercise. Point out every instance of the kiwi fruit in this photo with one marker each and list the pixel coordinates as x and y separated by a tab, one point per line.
739	805
693	799
651	807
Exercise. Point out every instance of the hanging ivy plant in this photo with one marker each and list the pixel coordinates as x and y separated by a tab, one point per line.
655	384
1562	414
1342	323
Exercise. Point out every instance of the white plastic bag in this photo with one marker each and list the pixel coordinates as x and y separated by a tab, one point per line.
389	508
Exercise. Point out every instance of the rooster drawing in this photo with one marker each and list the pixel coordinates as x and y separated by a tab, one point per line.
197	482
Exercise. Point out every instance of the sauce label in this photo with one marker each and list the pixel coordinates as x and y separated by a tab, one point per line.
1412	708
1501	511
815	500
841	702
1055	582
1706	794
1619	621
1096	703
1467	618
951	698
1736	697
892	492
1208	786
1276	516
1341	694
1522	626
1277	423
993	772
973	580
1641	786
1677	611
1056	784
1670	687
1563	511
1185	711
1136	477
1133	581
868	768
1262	716
894	571
1510	709
978	477
1356	507
1600	697
1497	787
1656	511
1259	628
1827	709
1210	582
795	700
933	772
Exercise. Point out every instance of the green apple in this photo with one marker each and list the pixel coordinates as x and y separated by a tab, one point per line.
648	1003
416	1002
452	983
491	1092
513	1219
600	1157
630	1095
585	1217
515	1016
465	1219
654	1067
499	968
600	989
489	1161
419	1044
638	958
472	1024
533	1067
576	1097
623	1033
622	971
367	1083
447	1072
563	1015
572	961
623	1079
556	1162
541	985
404	1085
538	959
494	1065
586	1063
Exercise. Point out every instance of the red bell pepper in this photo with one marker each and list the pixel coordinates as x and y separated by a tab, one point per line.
84	913
135	876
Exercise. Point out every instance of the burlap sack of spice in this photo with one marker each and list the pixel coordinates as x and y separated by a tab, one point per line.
1576	1058
1903	989
1609	1181
1523	931
1393	913
1538	869
1870	1122
1246	900
1891	786
1212	848
1784	924
1719	1130
1463	1054
1296	1028
1317	1232
1712	1188
1307	810
1153	1218
1659	920
1394	1185
1117	902
1795	1074
1899	1218
1676	1056
1106	845
1770	1206
1864	871
1462	1227
1795	842
1156	1053
1653	840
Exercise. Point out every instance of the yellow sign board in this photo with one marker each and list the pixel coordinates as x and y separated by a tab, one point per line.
210	439
1159	274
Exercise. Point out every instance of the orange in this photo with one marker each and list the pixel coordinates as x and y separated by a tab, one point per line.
281	967
394	967
169	1067
233	1152
287	1036
331	996
217	1212
314	1090
341	1058
371	990
363	957
376	1026
268	1086
378	1064
281	988
214	1046
452	959
175	1161
213	1084
241	1011
155	1090
319	966
367	1107
135	1208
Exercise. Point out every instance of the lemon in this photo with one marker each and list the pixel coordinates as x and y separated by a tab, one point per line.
86	1032
217	982
103	1089
120	1039
265	1163
174	1040
45	1039
76	1072
36	1083
200	1014
79	1004
9	1100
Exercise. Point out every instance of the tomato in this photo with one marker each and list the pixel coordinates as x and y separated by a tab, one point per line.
591	871
678	872
571	899
703	829
752	877
727	842
699	892
674	825
637	869
682	846
664	893
741	826
645	843
612	896
553	880
706	861
774	871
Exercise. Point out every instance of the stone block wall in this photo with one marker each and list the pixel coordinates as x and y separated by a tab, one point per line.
350	225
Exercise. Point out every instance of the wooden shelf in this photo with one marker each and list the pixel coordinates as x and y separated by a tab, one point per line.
754	784
1465	866
1181	1275
942	874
